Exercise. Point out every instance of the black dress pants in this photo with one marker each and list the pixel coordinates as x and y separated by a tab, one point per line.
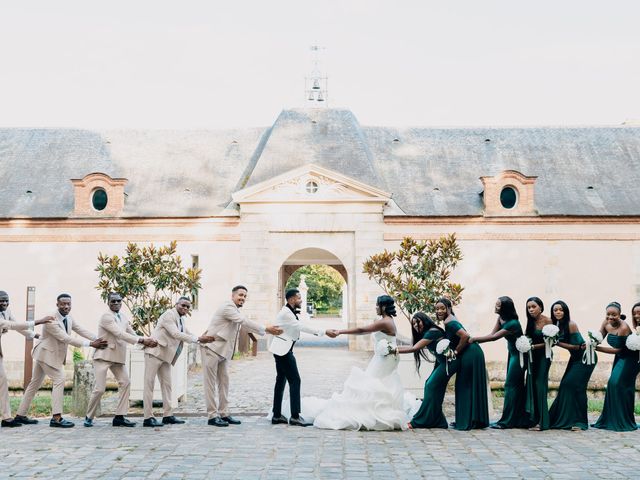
286	371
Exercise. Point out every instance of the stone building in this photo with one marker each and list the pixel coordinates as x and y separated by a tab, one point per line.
552	212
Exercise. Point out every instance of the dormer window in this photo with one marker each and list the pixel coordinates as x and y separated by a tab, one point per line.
98	194
509	193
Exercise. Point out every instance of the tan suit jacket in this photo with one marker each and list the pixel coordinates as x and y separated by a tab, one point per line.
9	322
54	342
225	325
118	335
168	335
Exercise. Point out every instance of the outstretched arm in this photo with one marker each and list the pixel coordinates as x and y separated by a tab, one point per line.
419	345
379	326
495	334
464	340
573	328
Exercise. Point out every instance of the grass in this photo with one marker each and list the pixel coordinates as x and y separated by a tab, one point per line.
41	405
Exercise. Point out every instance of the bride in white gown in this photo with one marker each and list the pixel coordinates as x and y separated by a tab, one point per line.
372	399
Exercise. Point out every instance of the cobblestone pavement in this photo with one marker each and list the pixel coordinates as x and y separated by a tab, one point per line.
258	450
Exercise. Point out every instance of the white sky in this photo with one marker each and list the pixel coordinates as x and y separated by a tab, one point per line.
214	64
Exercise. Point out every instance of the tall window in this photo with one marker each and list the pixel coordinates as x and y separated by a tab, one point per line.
195	263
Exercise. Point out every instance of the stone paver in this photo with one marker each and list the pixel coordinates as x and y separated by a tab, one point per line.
258	450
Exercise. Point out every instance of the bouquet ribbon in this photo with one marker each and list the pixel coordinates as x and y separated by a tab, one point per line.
522	358
548	343
589	355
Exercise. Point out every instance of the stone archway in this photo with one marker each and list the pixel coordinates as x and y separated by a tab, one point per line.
313	256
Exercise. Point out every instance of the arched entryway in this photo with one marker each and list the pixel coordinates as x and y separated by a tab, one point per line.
333	318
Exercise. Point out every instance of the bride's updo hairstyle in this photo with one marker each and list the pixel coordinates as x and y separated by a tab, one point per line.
387	305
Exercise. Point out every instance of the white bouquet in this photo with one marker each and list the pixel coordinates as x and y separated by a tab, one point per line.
384	348
633	342
594	338
550	333
524	345
443	347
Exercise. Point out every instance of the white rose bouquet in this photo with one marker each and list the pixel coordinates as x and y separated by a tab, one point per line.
443	347
550	334
524	345
384	348
633	341
594	338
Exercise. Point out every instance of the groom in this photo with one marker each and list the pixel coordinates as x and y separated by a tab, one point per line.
286	367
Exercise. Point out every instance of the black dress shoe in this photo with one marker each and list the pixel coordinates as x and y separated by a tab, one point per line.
279	419
172	420
11	423
62	423
119	421
25	420
452	424
299	422
88	422
151	422
217	422
497	426
231	421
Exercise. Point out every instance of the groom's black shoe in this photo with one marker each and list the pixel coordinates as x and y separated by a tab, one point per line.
231	421
171	420
299	422
151	422
280	419
217	422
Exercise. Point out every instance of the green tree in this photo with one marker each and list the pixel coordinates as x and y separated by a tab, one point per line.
325	285
150	280
418	273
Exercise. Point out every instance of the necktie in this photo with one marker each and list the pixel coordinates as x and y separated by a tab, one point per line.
118	319
66	327
180	345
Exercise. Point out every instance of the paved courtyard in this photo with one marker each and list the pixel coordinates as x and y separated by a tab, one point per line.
258	450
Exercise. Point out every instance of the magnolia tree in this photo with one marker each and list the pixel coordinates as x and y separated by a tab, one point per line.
150	280
418	273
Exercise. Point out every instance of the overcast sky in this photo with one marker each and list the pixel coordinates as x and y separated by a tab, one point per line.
210	64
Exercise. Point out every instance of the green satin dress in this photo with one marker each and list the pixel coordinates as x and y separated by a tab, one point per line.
472	405
430	414
569	409
515	393
618	411
538	385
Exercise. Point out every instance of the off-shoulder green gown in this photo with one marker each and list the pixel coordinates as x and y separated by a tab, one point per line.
513	411
430	414
538	385
618	411
569	409
472	408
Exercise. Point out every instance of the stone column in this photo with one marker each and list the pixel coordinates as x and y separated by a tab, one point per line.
303	293
83	381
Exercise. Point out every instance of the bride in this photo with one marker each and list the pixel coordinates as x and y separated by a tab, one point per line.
372	399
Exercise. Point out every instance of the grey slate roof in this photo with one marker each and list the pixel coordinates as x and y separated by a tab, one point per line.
429	171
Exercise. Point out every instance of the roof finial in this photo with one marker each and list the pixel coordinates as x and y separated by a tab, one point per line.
316	85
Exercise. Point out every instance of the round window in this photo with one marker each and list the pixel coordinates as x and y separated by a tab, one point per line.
99	199
312	187
508	197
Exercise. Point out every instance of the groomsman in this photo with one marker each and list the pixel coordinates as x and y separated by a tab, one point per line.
49	357
224	326
286	366
115	328
8	322
170	333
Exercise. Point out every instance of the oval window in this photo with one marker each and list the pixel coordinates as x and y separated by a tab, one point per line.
312	187
508	197
99	199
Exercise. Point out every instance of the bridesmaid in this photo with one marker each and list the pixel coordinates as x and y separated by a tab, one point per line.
472	408
426	334
508	327
617	413
538	379
635	315
569	409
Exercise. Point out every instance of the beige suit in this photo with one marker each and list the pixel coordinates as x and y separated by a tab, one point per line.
170	333
117	331
49	356
8	322
224	326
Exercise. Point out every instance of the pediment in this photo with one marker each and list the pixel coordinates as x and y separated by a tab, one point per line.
310	183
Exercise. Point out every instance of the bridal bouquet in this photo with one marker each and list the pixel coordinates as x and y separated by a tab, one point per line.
594	338
524	345
633	340
384	348
443	347
550	334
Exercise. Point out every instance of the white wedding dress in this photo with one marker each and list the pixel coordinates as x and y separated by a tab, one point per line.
372	399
